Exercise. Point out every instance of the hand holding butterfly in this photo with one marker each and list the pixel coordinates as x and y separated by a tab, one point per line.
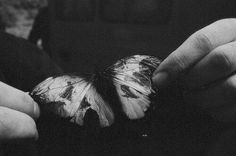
17	111
207	63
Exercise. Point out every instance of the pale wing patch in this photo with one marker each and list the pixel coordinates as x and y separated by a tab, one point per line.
134	103
94	101
133	83
65	93
72	96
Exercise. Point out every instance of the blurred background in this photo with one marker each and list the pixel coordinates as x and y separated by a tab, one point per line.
17	16
79	34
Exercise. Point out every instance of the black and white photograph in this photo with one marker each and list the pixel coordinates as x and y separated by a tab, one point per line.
117	78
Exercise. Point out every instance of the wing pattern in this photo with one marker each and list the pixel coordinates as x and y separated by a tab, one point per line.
132	78
71	96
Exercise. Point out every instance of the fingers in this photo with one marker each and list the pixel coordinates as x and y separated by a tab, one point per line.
16	125
194	49
216	65
219	99
15	99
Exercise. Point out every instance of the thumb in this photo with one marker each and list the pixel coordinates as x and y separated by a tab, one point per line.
193	50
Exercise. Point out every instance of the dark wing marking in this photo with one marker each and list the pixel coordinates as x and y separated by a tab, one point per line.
132	79
93	100
70	97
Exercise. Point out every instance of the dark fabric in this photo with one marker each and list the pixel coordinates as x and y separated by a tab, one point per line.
41	29
172	129
23	64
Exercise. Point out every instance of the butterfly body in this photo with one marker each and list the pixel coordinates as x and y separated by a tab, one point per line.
71	96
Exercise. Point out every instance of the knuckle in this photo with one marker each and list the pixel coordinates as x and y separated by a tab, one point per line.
202	41
221	60
180	63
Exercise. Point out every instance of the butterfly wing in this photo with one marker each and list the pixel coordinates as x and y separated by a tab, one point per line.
96	102
132	80
70	97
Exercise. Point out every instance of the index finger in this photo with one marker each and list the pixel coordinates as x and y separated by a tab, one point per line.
194	49
18	100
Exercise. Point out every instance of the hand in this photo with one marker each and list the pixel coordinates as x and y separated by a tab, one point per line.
17	110
207	63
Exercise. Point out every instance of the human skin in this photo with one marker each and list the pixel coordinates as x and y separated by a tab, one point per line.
206	62
17	113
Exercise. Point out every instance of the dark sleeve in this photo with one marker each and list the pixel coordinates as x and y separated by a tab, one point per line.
35	33
40	29
23	64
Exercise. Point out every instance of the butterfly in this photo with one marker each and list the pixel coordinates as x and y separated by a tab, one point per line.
126	85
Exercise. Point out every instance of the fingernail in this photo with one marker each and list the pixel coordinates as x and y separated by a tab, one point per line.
160	79
36	110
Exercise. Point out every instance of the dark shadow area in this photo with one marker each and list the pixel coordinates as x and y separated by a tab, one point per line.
90	38
173	128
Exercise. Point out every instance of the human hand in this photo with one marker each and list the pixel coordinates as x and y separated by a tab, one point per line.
207	63
17	111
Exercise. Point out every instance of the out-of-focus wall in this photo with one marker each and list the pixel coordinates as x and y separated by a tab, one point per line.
17	16
86	36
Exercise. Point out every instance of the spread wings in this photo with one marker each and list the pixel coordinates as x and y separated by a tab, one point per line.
71	96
